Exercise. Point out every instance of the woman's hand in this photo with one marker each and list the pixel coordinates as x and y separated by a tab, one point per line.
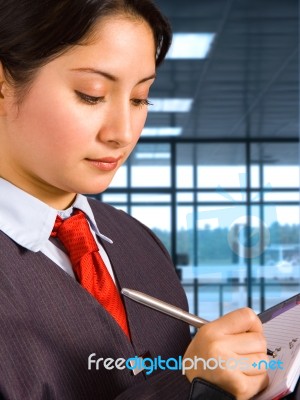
235	341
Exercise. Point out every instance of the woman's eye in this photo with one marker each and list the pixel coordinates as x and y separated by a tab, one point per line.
141	102
92	100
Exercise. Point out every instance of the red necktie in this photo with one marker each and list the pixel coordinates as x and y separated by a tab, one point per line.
88	266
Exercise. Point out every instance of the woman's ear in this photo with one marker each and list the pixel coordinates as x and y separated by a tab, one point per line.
3	86
1	81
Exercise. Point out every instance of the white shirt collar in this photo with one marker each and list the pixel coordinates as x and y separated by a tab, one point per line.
29	221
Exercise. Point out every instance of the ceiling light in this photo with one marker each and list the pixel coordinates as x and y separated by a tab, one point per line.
170	105
168	131
190	45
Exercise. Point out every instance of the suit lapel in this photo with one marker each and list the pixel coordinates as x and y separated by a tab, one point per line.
127	262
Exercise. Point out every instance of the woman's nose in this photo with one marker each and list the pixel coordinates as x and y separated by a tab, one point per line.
117	126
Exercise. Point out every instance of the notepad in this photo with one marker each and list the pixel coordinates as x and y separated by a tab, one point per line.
281	325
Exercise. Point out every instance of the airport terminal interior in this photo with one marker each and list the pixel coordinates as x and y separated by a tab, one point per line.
216	172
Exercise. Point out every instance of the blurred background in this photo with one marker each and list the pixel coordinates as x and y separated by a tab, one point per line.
216	172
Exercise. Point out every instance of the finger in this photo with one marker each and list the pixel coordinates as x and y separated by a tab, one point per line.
251	365
245	387
255	365
246	343
255	384
238	321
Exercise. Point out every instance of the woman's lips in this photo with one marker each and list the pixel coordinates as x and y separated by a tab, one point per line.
105	164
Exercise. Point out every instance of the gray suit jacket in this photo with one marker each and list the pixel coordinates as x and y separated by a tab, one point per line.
49	325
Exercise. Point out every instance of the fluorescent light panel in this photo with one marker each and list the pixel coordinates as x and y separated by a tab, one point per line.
168	131
170	105
190	45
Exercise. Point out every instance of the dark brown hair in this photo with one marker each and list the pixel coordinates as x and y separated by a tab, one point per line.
32	32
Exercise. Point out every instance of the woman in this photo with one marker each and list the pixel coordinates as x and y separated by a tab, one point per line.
74	80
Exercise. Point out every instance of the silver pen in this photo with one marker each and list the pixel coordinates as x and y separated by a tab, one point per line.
170	310
164	307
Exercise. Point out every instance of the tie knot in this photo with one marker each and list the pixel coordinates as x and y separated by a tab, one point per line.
74	233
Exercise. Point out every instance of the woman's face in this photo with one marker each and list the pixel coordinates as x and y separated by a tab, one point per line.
82	116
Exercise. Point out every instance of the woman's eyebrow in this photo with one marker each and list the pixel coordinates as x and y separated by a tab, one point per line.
108	75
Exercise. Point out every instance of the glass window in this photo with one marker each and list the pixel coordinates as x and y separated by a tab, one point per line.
221	176
282	196
185	165
151	166
150	198
280	163
222	196
254	176
221	165
218	239
120	179
157	218
283	176
114	198
184	176
150	176
279	262
185	240
185	197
